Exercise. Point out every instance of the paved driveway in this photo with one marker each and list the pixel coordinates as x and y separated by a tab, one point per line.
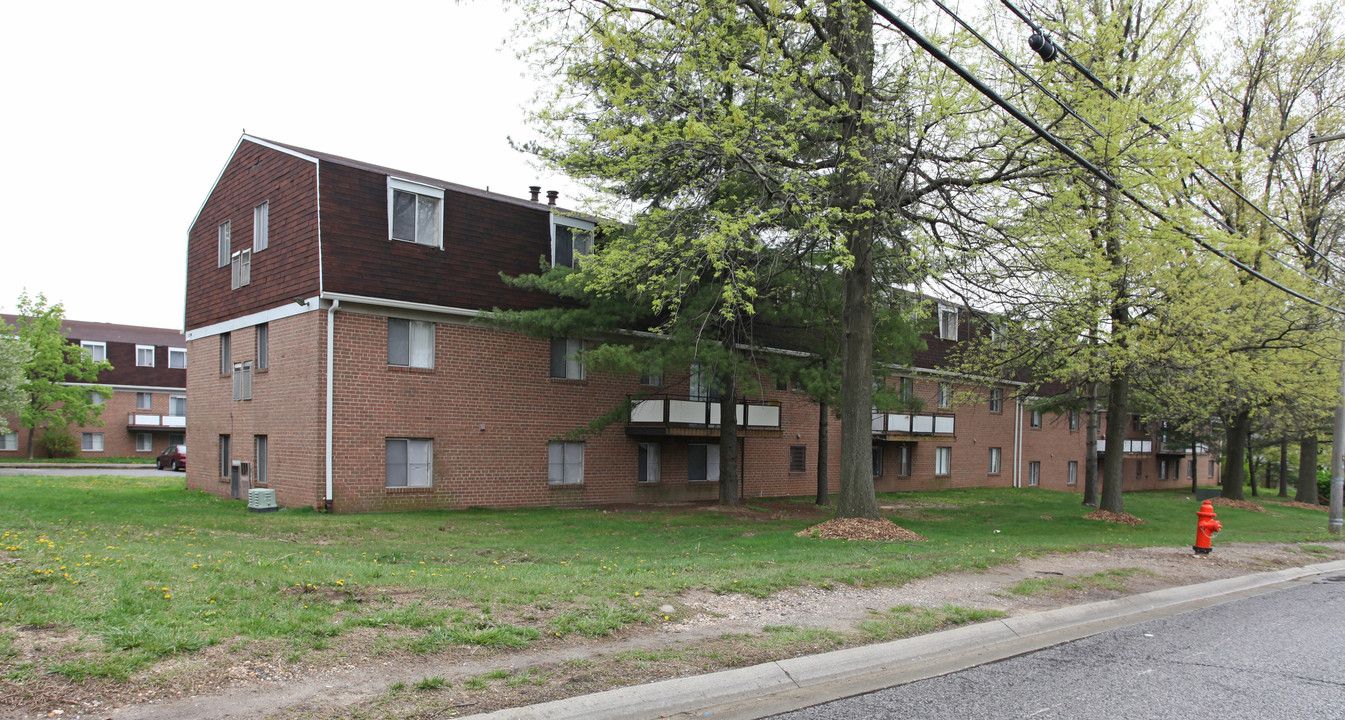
125	470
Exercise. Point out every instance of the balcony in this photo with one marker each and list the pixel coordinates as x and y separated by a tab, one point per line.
910	426
150	421
694	417
1129	447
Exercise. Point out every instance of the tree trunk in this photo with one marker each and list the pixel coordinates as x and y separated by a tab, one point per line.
1306	492
1118	400
823	445
1195	471
31	432
1235	462
1251	463
1090	498
1284	466
728	440
853	45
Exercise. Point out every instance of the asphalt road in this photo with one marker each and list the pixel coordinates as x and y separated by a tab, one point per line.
67	470
1277	655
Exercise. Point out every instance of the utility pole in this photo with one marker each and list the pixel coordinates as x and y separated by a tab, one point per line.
1334	524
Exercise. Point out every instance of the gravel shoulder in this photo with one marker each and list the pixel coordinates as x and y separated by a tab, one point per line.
707	632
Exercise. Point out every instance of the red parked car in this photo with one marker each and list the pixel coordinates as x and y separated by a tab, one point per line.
175	458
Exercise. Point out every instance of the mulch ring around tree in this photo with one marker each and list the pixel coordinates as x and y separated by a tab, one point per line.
861	529
1239	504
1109	516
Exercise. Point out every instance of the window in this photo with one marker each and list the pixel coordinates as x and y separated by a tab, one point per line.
1135	423
144	401
877	460
144	442
9	441
1034	473
261	226
1073	419
1034	419
703	463
224	245
649	470
903	461
410	343
945	396
177	406
144	356
91	442
177	358
907	388
570	240
96	350
566	358
243	380
703	384
226	364
798	458
565	463
1211	468
415	213
95	398
943	460
782	383
1139	468
1162	469
996	400
995	454
652	378
263	346
241	263
408	462
947	322
1073	477
259	467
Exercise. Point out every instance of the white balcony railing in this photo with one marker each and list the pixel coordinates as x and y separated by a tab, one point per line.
1129	446
914	424
677	411
149	420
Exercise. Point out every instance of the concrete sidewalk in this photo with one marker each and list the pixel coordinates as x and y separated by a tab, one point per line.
776	687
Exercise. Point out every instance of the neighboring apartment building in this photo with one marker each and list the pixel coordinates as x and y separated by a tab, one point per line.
337	358
148	408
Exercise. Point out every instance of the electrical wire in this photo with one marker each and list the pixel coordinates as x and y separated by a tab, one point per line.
938	54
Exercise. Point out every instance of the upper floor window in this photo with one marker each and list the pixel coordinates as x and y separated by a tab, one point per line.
243	380
996	400
225	249
1073	419
566	358
95	398
1034	419
241	264
907	389
945	398
415	213
261	226
144	401
263	346
177	406
226	364
703	385
177	358
570	241
410	343
96	350
947	322
144	356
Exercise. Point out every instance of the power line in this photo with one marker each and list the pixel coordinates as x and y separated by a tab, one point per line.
1069	152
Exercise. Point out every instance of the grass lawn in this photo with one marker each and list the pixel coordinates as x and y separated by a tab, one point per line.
79	461
140	569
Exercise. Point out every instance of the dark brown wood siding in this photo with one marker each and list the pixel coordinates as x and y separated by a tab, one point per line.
287	269
125	372
482	238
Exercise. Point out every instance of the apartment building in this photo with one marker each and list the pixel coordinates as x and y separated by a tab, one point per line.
148	408
337	356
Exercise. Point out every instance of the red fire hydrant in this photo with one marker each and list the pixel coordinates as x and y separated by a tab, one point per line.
1206	528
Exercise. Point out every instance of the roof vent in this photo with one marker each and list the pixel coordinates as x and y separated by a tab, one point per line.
551	196
536	190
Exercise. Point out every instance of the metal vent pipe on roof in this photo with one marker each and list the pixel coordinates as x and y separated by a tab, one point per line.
536	191
551	196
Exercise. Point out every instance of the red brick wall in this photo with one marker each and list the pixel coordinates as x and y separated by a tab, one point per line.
118	439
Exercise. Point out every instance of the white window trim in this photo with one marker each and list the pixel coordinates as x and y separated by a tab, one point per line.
952	310
944	399
568	474
574	224
418	189
9	441
241	269
261	232
574	359
173	350
89	345
995	461
943	461
225	237
411	326
1034	473
172	404
138	348
996	400
1073	473
144	442
653	465
94	441
148	396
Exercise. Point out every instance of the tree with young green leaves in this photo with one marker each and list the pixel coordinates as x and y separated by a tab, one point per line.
728	132
14	354
59	376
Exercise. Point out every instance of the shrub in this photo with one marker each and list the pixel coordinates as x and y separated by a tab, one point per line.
59	443
1324	482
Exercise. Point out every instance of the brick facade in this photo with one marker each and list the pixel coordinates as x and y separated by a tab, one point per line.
488	405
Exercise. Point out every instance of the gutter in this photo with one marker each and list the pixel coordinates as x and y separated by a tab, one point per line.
1017	441
331	336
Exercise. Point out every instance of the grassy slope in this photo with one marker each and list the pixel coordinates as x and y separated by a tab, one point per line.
147	570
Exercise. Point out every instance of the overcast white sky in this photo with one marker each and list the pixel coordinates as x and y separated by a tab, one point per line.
119	116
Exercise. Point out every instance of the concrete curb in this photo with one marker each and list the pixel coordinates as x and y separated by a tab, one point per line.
775	687
81	466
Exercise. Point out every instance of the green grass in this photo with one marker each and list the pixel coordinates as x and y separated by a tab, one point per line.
905	620
144	570
1107	580
79	461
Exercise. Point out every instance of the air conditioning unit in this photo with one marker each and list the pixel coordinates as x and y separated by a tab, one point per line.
262	500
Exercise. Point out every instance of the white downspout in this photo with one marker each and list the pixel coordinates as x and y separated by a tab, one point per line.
331	336
1017	440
